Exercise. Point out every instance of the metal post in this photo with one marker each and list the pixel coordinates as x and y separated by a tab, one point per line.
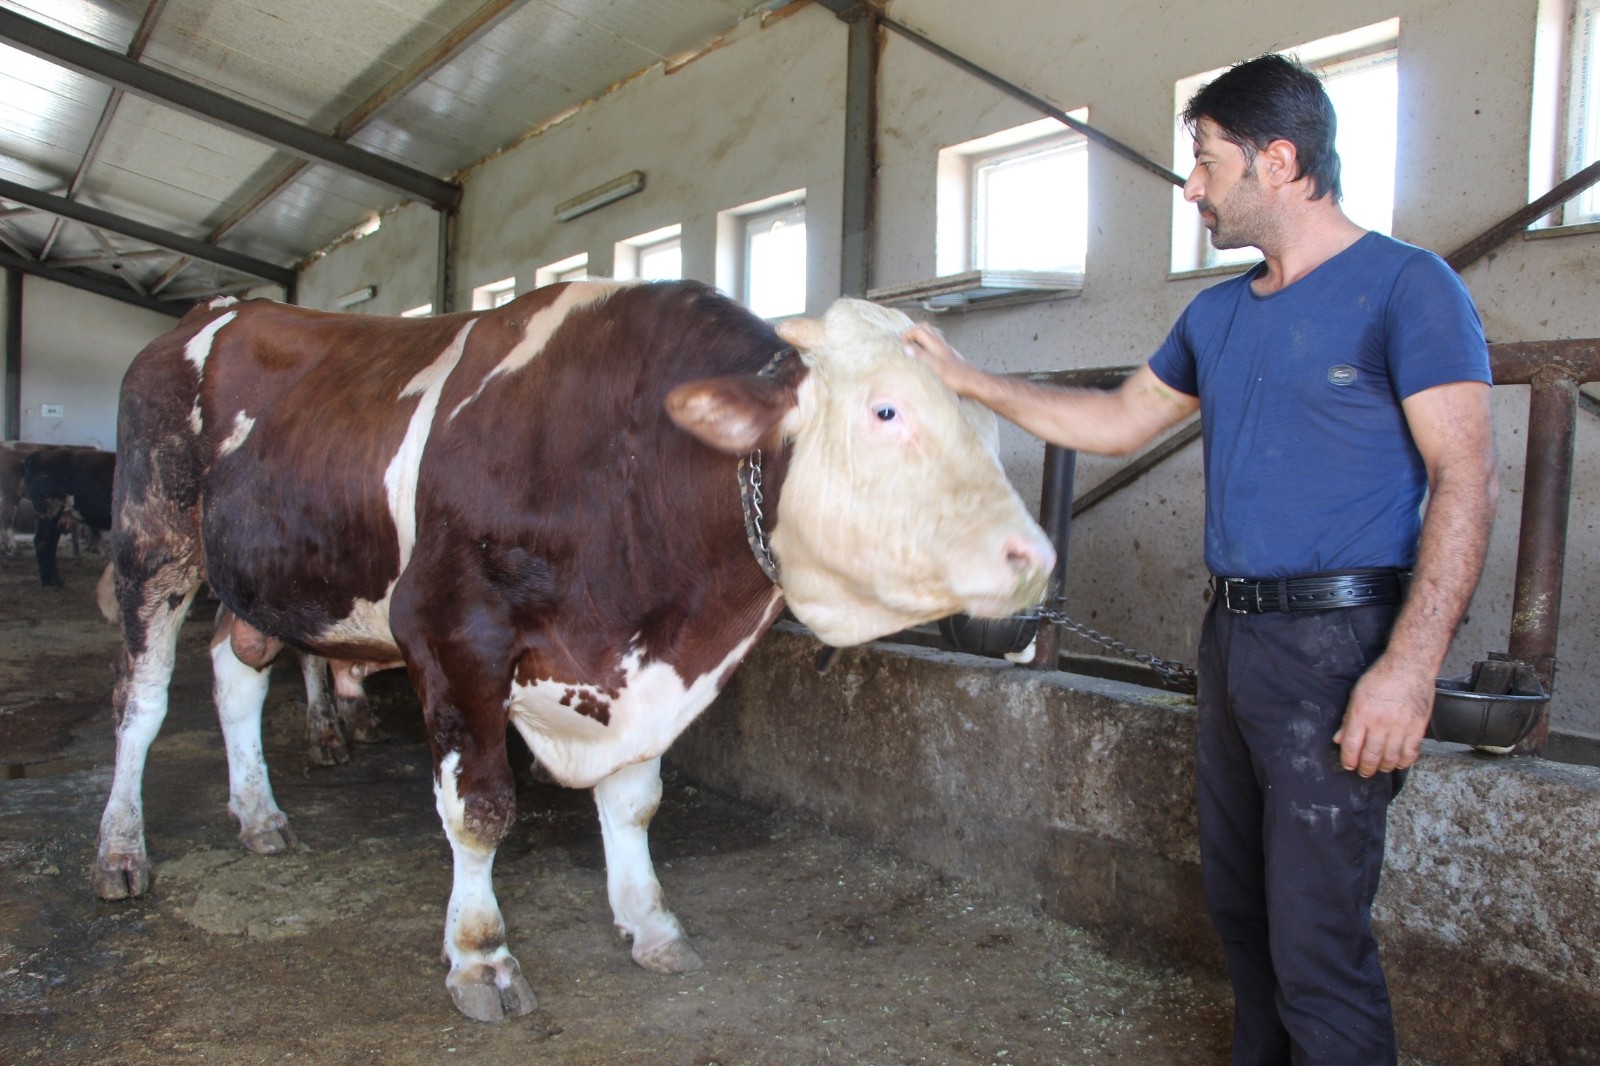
444	286
1055	511
13	345
1546	498
860	151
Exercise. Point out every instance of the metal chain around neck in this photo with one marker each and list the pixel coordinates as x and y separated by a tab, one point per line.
750	494
1171	669
755	522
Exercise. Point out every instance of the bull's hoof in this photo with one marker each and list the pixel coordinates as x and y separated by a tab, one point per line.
361	726
268	840
121	876
327	749
491	993
675	956
367	731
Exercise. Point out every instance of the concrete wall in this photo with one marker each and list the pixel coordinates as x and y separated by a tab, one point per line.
762	115
1077	796
75	348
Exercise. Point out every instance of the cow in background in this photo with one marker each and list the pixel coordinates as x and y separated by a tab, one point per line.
67	486
574	513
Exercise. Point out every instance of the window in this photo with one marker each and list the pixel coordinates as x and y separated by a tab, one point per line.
1015	200
1583	107
1566	105
495	294
1360	70
653	256
662	261
572	268
1029	208
775	262
761	254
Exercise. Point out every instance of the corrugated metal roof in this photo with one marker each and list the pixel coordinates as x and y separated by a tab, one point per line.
435	85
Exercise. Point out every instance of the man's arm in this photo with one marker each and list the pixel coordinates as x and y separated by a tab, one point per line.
1389	708
1106	422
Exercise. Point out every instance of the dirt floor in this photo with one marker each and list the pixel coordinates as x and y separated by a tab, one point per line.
819	949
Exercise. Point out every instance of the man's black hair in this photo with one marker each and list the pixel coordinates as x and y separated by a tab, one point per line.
1274	98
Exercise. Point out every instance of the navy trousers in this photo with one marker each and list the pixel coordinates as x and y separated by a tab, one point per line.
1291	843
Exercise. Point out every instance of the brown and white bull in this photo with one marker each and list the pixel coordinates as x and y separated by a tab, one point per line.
538	509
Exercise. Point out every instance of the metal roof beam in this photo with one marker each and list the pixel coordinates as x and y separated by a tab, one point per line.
458	40
122	72
139	231
854	10
107	288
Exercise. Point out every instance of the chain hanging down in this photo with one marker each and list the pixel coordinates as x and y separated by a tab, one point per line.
1171	669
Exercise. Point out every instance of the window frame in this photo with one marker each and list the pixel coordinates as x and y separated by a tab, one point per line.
981	164
1580	109
732	267
629	255
572	268
494	294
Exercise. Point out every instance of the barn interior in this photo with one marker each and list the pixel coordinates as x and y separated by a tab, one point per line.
429	156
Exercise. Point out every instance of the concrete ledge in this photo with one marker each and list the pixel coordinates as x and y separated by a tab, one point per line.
1076	796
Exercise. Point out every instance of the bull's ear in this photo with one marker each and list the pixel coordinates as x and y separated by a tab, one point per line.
732	414
806	334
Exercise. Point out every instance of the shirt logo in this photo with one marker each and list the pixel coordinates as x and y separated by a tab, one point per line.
1342	375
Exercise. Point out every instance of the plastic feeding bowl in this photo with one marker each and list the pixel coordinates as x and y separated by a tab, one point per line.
990	636
1482	719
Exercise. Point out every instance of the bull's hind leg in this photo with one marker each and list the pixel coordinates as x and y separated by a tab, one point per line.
335	721
240	690
122	867
351	705
627	800
324	739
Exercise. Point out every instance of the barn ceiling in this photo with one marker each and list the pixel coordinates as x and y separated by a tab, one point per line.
163	151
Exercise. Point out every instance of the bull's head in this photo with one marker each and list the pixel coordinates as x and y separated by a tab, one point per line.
895	509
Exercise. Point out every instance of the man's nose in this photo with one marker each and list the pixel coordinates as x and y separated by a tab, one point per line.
1194	189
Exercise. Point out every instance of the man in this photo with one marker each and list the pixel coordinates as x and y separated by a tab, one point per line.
1337	381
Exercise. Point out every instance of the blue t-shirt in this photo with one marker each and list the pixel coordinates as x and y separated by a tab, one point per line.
1309	463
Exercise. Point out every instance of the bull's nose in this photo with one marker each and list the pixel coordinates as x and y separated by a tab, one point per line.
1029	555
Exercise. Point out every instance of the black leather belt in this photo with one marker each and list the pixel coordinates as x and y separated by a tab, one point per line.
1317	593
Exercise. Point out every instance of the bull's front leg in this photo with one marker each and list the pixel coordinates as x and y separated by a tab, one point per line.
627	800
476	805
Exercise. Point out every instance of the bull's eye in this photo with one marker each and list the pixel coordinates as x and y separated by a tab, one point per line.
885	413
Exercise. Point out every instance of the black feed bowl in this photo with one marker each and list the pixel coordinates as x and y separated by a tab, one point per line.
990	636
1482	719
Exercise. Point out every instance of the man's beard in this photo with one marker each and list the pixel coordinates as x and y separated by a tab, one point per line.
1221	238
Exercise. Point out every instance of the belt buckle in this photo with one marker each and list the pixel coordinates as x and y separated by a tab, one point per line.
1229	586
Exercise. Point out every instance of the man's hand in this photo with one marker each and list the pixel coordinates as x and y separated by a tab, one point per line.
1386	719
927	345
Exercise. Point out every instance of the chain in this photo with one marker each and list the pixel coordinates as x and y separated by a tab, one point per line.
755	520
1171	669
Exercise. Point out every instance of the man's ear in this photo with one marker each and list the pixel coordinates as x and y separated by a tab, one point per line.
731	414
1280	163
